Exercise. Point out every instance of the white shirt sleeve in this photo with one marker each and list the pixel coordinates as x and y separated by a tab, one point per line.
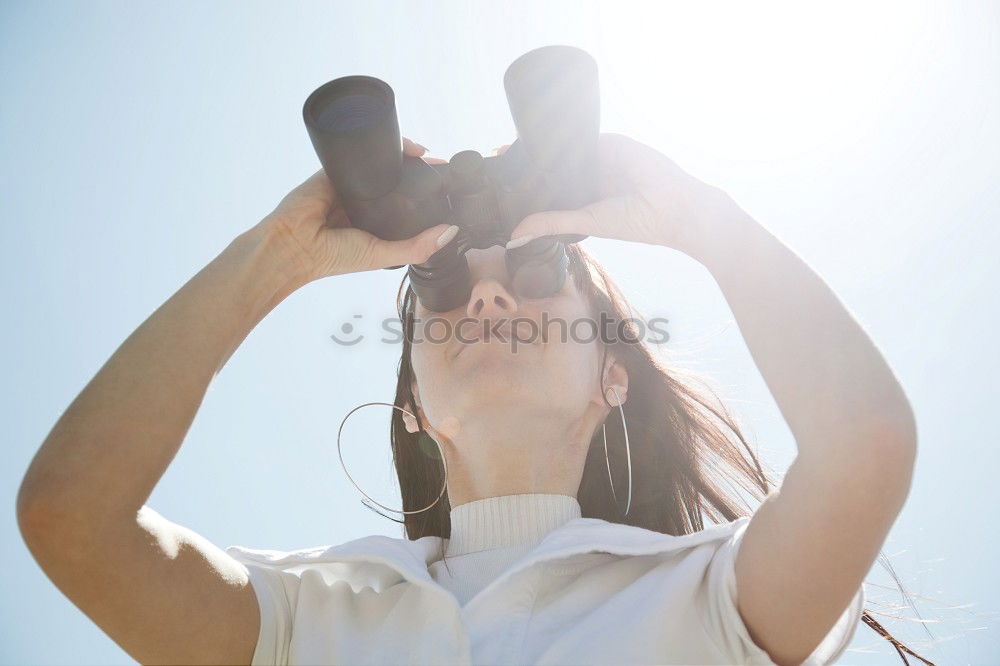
275	612
727	625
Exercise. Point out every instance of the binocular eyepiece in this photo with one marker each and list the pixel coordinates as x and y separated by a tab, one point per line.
554	100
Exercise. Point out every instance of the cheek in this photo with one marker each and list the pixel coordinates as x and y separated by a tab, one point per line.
425	360
575	363
428	360
570	362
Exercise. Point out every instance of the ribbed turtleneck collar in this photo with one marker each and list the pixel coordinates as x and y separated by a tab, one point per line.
508	520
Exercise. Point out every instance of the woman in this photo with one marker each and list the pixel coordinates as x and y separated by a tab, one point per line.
565	522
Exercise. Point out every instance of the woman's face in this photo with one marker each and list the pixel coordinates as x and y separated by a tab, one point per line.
526	371
513	413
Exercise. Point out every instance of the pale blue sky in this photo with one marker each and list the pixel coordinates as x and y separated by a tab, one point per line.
139	138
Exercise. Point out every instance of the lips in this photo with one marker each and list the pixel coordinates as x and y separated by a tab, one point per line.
500	333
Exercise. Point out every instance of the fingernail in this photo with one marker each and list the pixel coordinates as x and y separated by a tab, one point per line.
424	148
518	242
447	235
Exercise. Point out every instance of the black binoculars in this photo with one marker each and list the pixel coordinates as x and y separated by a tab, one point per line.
554	100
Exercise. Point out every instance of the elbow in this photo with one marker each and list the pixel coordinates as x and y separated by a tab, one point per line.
884	430
879	449
891	444
898	429
896	438
25	506
42	519
31	498
33	520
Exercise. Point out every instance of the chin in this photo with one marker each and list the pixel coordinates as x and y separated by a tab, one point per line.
488	371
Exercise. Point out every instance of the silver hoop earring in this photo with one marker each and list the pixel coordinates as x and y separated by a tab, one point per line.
628	453
444	461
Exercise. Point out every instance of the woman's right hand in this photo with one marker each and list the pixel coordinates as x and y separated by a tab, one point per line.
311	226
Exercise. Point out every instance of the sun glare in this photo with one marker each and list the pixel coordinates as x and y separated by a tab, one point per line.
761	81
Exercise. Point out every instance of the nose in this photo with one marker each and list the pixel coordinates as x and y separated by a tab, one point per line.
490	300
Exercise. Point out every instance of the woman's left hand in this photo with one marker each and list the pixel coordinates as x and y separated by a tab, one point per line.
647	198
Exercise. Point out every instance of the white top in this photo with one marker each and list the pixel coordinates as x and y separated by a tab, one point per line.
490	534
590	592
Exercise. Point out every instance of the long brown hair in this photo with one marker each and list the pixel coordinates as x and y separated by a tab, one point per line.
690	459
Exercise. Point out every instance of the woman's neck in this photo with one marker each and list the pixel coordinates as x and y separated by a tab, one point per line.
506	521
534	453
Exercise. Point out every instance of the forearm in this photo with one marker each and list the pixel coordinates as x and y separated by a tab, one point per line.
109	449
832	385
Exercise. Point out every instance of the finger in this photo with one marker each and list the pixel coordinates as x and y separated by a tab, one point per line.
552	223
626	217
416	150
414	250
500	150
413	148
631	163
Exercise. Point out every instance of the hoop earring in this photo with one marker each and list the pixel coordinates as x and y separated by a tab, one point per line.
444	460
628	453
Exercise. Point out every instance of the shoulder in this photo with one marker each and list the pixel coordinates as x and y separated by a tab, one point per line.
300	591
597	535
674	587
604	559
372	544
662	595
377	561
696	572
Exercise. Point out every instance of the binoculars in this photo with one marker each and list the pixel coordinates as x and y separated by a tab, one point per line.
554	101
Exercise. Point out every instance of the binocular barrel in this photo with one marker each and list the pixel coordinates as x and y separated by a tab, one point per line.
353	125
554	101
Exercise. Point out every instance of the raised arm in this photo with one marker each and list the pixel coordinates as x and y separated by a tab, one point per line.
160	591
809	546
807	549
